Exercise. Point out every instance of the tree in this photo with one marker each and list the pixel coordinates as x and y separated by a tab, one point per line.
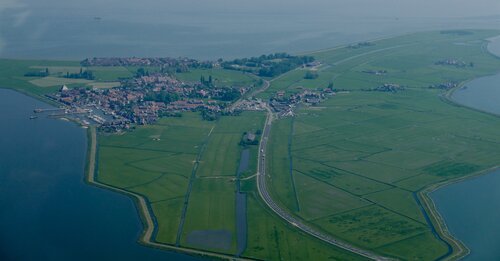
230	94
311	75
209	115
141	72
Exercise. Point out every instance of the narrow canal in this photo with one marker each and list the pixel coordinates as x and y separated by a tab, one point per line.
241	205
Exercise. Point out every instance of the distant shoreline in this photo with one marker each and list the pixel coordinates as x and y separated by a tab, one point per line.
425	194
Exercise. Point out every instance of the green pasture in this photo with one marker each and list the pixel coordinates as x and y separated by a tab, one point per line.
50	81
155	162
270	239
211	207
12	76
212	199
360	157
220	77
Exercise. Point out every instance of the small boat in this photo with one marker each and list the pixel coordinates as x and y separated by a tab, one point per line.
33	117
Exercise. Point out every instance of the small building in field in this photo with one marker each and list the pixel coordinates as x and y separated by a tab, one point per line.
249	137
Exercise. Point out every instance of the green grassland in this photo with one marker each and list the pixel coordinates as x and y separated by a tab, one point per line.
160	170
359	159
101	73
221	77
409	60
155	162
12	76
51	81
270	239
212	202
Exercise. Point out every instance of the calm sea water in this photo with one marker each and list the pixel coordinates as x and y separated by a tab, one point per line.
494	46
47	211
482	93
471	208
199	29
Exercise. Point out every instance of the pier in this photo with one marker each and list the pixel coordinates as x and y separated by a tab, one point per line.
47	110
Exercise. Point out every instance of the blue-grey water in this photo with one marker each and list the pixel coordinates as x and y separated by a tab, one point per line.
482	93
471	208
210	29
48	212
494	46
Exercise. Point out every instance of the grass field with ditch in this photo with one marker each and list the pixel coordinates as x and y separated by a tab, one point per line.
358	161
160	170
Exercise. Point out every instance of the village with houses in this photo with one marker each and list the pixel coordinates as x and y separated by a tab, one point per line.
146	97
143	100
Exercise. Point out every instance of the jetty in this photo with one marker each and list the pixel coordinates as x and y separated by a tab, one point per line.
47	110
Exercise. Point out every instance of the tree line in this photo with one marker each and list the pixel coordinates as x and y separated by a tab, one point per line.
268	65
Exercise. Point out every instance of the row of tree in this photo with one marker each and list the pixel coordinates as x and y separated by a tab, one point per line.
311	75
205	82
87	75
268	65
256	61
162	96
43	73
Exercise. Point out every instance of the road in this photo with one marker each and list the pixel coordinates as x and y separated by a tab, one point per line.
264	87
264	194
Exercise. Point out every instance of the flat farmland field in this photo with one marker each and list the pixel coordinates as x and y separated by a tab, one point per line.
354	165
